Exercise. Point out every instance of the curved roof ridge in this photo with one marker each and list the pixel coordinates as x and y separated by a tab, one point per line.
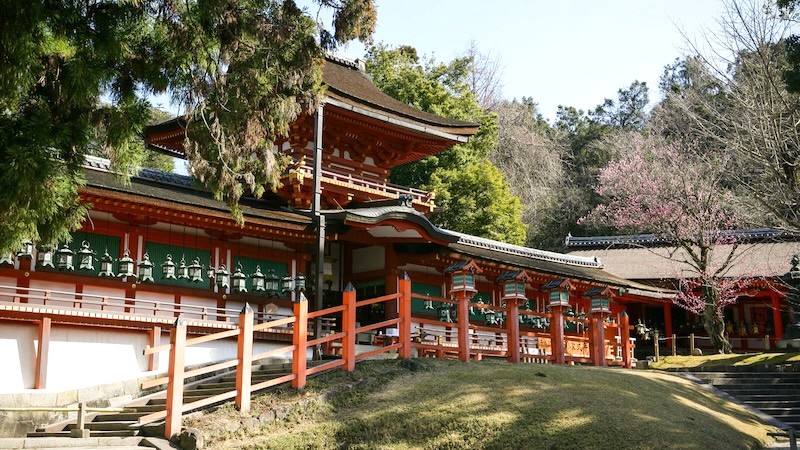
643	239
104	165
475	241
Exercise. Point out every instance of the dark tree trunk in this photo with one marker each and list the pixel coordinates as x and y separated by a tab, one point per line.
714	323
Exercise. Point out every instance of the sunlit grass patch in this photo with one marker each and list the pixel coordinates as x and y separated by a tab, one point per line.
737	359
495	405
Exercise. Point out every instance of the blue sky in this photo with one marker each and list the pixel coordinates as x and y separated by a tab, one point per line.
574	53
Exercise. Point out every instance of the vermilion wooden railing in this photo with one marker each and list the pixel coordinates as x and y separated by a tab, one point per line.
176	374
449	339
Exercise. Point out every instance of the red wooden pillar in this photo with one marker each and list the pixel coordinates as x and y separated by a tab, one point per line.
177	353
777	320
463	325
404	285
557	333
244	368
599	308
559	304
514	283
462	288
598	330
23	286
299	338
40	382
512	328
668	323
625	339
349	328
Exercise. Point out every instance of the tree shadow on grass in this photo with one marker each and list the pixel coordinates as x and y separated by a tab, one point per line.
500	406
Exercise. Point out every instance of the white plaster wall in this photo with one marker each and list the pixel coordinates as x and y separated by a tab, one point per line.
368	258
89	356
53	286
18	353
7	281
196	313
144	303
94	295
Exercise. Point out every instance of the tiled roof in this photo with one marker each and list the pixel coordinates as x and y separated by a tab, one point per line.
104	165
766	259
346	79
527	252
570	266
655	240
178	190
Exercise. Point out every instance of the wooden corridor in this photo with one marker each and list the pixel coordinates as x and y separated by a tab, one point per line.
416	336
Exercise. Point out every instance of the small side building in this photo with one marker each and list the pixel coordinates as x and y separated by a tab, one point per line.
763	255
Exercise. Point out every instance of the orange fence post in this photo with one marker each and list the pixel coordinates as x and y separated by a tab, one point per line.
244	367
349	328
404	310
155	341
177	352
512	328
299	338
625	337
557	333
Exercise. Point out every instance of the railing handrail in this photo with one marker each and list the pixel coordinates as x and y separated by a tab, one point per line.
121	302
356	180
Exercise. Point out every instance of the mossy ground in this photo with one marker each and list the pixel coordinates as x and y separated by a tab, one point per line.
491	405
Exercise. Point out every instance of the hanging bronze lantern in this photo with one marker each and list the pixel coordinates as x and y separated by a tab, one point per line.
86	257
222	277
183	270
64	258
258	279
272	283
287	283
239	280
490	317
168	269
443	312
26	252
146	269
45	257
195	271
125	265
210	273
300	282
106	265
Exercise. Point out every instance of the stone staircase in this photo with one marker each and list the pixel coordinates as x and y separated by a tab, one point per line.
124	425
776	394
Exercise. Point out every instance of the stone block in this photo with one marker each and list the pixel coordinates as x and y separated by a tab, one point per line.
82	433
12	443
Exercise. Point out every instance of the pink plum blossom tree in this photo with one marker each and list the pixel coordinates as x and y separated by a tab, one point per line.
661	188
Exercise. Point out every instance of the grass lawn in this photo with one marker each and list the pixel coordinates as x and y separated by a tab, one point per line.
738	359
491	405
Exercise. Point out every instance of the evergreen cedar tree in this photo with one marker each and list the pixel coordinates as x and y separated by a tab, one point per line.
75	78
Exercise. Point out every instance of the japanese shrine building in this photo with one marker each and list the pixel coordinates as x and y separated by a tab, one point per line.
83	322
764	255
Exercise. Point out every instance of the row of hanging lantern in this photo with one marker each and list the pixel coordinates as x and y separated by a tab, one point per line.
63	259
